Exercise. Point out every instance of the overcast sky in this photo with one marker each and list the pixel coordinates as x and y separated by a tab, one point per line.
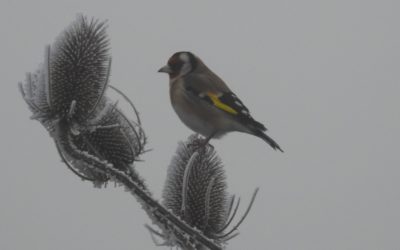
322	75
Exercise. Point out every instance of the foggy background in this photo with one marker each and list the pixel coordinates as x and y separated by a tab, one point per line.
322	75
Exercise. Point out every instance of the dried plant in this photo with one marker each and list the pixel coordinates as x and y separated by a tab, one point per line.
195	190
99	143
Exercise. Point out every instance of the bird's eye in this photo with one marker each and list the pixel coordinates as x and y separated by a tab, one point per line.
175	65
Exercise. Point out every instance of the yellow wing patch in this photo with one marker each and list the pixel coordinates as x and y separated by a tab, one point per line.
217	102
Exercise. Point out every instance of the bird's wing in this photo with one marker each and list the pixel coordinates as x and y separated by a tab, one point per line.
224	100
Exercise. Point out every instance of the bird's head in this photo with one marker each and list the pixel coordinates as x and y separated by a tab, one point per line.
180	64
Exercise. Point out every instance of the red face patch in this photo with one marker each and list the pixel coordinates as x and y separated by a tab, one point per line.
175	63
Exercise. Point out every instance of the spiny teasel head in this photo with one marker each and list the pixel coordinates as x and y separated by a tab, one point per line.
195	188
79	67
110	137
74	76
67	95
195	191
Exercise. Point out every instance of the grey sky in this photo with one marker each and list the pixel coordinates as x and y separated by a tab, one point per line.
322	75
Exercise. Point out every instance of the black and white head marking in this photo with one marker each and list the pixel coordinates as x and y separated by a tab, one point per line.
187	65
182	63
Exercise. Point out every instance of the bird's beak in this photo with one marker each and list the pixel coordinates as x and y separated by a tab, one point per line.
165	69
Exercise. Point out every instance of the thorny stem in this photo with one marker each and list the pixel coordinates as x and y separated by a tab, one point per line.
159	214
70	167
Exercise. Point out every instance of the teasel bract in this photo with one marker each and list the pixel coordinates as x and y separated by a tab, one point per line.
79	65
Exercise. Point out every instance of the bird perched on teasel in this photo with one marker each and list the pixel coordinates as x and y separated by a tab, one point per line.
205	103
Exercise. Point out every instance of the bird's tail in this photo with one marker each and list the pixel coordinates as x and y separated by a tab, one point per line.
268	139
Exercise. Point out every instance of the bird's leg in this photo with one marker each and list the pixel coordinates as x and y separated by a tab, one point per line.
201	143
207	140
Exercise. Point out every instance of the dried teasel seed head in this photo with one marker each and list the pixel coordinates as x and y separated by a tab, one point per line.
79	67
195	188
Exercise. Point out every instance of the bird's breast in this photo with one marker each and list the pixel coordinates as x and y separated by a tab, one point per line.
191	113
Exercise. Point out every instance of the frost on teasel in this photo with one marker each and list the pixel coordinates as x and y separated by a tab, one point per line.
67	94
196	187
196	191
79	68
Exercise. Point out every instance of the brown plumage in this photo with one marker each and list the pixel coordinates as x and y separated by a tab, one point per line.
204	102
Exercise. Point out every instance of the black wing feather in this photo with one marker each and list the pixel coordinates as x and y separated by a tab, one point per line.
243	115
231	100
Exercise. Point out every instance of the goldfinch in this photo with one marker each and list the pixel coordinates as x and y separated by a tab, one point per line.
204	102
